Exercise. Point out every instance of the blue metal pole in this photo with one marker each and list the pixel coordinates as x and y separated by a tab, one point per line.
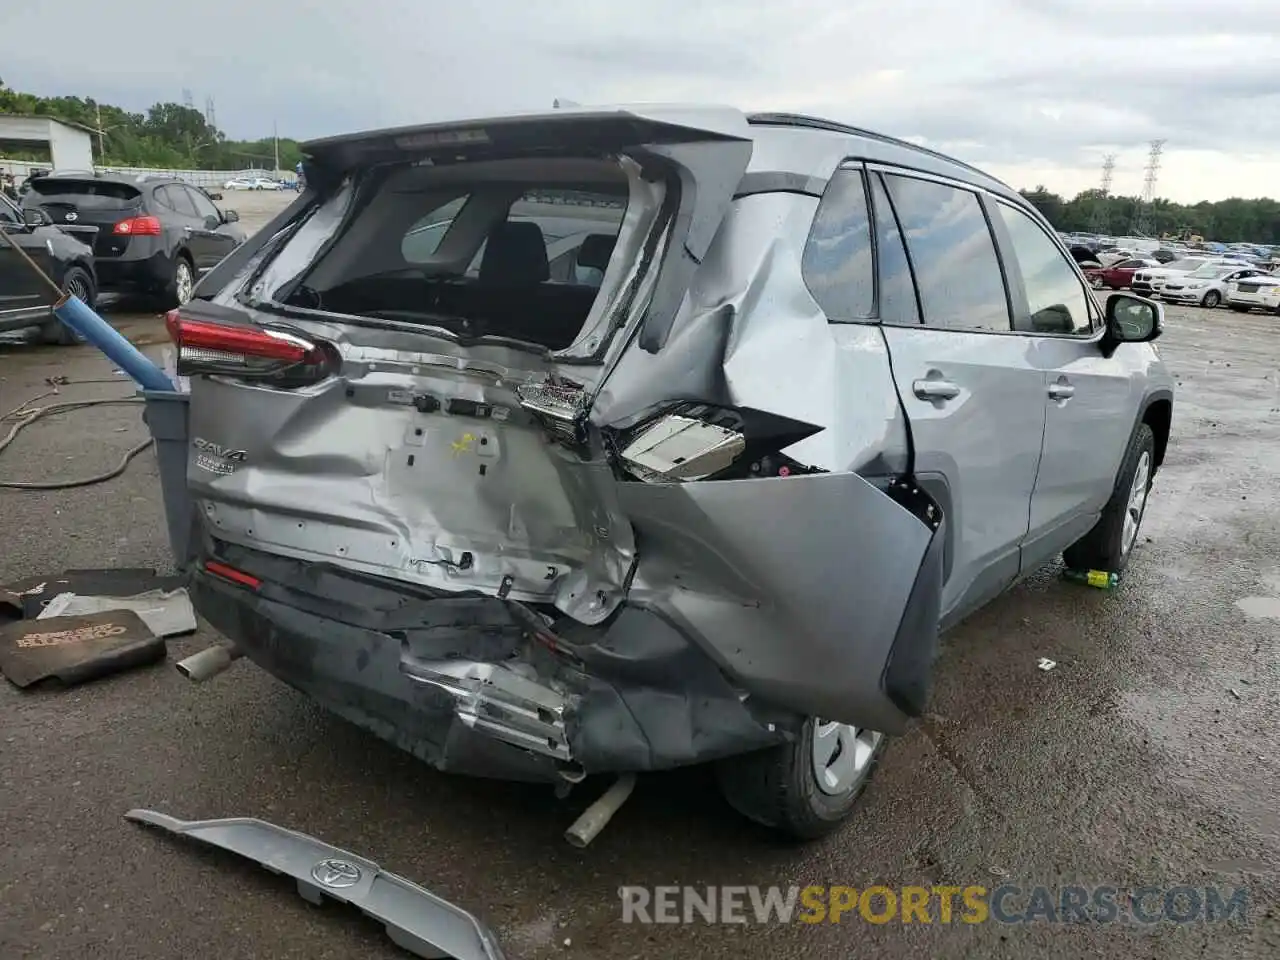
76	314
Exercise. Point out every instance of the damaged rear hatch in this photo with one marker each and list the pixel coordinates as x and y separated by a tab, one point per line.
398	380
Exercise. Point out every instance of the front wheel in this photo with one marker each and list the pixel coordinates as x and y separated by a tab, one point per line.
807	788
78	282
1110	544
1211	299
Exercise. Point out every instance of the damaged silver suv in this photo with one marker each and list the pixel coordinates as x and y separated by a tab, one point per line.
617	440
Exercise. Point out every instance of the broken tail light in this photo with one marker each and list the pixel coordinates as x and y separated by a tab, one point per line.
694	441
249	352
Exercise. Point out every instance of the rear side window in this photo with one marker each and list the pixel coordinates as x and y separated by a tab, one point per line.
423	237
175	198
86	194
1055	297
837	263
897	291
954	255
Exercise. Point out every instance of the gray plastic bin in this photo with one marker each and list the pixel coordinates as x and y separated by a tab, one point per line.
165	415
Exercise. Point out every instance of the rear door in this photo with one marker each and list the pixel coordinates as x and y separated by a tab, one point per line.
1090	400
180	211
432	456
213	238
973	394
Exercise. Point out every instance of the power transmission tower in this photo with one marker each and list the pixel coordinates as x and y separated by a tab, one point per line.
1143	215
210	117
1101	221
187	99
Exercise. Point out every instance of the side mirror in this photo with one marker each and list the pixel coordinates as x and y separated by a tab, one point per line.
1132	319
215	196
230	216
36	218
212	223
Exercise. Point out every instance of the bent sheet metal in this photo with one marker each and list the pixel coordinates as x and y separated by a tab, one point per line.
415	919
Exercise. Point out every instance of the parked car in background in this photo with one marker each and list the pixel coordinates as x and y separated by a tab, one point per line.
1151	280
266	183
153	234
602	513
1206	286
1259	292
1119	275
238	183
25	301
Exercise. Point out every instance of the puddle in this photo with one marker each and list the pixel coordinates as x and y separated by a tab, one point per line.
1265	608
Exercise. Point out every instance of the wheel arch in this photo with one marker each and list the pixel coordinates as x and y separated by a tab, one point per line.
1157	413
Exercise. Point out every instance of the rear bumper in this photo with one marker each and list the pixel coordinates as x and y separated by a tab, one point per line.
465	682
134	271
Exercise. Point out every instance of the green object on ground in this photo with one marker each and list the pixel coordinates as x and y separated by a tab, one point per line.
1092	578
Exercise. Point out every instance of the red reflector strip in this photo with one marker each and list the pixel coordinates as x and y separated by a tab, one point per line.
232	574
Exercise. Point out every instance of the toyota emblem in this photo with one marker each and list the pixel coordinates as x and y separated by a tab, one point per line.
72	216
336	873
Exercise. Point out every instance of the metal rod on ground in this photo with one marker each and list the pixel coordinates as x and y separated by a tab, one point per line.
77	315
594	818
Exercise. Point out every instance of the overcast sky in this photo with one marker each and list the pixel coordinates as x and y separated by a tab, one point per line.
1037	91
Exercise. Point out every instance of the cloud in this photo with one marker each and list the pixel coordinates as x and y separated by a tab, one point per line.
1036	92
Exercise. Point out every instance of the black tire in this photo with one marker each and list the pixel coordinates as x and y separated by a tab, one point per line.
1211	299
1237	308
777	788
171	293
79	282
1103	547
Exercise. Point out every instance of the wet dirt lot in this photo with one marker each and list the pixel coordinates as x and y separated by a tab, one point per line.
1148	757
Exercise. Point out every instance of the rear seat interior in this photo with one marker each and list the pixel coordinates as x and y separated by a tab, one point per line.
511	297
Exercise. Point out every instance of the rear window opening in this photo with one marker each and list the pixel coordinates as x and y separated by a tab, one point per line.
108	195
493	249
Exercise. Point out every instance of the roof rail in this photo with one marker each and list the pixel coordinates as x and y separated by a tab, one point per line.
831	126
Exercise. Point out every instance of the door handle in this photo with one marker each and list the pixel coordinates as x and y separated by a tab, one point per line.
1061	390
930	389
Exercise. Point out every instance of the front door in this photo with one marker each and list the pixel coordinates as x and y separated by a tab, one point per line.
1085	436
975	402
21	293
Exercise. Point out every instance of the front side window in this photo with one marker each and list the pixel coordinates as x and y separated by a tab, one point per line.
837	264
954	255
1056	299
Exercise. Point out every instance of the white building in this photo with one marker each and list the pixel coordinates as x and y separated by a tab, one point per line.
70	145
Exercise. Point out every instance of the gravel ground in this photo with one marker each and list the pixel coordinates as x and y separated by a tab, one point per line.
1147	757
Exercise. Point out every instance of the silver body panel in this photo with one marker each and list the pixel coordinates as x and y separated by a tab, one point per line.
415	919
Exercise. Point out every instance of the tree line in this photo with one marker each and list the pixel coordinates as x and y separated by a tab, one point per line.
168	135
1234	220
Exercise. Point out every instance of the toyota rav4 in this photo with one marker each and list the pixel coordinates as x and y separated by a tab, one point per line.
617	440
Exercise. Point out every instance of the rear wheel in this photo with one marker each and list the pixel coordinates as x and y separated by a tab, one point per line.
182	283
1110	544
1211	299
804	789
78	282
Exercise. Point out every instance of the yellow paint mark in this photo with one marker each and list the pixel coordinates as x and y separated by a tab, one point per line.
464	444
